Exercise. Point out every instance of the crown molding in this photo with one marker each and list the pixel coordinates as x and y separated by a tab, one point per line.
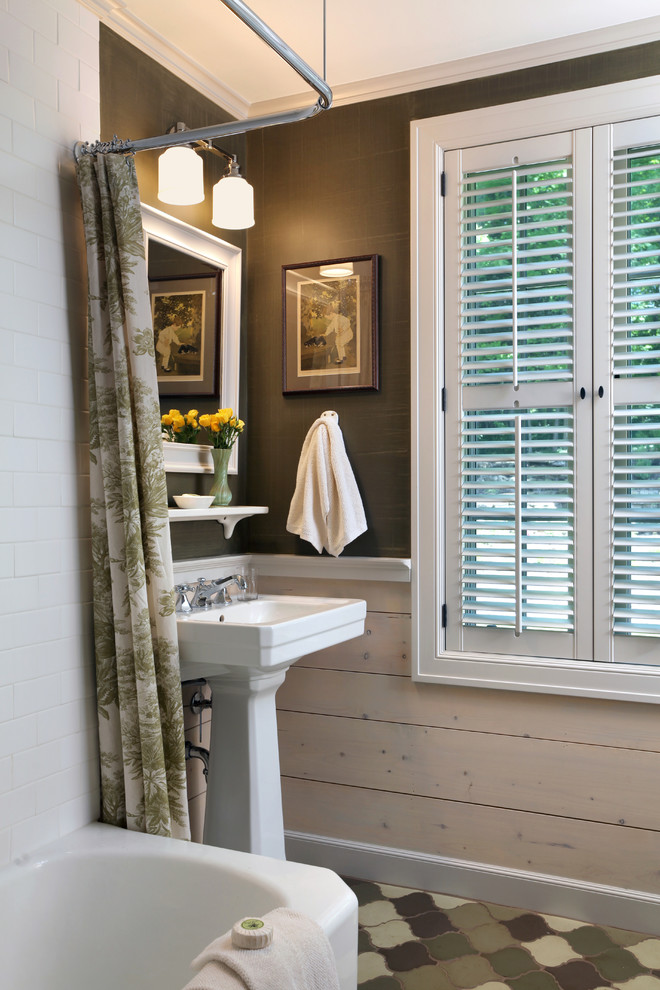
492	63
113	14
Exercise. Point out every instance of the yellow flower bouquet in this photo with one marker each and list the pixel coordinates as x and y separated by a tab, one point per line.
181	427
223	427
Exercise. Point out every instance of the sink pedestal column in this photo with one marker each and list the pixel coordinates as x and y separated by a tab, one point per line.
244	794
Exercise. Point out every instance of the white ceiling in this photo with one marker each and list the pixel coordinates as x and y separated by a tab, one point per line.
373	46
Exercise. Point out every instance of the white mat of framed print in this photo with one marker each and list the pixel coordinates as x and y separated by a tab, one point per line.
330	325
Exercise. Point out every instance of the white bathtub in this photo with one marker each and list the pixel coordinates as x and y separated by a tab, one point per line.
107	909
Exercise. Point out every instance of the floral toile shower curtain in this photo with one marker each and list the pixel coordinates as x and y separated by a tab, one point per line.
137	665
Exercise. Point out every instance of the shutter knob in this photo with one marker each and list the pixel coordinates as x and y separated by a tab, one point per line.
583	393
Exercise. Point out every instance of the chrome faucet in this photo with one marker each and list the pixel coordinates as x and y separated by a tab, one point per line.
207	593
221	584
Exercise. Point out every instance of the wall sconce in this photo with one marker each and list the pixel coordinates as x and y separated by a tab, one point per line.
181	183
337	269
233	200
180	177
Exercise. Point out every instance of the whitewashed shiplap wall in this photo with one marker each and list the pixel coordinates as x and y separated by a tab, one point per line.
536	785
49	85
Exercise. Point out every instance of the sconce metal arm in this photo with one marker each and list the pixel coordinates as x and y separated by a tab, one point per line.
251	20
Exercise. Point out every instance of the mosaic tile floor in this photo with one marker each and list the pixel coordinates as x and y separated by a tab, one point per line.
411	940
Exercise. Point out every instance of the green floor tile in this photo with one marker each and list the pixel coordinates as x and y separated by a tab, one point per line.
534	981
617	965
449	946
588	941
381	983
490	938
512	962
469	971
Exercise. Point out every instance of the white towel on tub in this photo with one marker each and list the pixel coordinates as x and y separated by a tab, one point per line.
326	508
299	958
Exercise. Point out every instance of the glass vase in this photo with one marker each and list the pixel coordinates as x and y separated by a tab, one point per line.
220	487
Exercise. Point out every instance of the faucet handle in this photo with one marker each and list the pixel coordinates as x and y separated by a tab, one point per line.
182	603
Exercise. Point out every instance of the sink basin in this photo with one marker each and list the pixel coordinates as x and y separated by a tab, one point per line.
265	634
244	651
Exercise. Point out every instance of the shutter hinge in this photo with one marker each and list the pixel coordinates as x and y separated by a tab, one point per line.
443	184
444	616
443	399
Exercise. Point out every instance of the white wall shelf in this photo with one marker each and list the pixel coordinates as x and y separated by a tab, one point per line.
227	515
187	458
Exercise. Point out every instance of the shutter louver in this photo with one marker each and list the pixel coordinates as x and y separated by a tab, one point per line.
636	507
636	261
517	519
635	307
516	306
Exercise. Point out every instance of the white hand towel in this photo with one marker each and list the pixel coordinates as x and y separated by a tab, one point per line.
326	508
299	958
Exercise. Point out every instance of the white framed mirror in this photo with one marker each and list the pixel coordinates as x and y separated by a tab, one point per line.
162	229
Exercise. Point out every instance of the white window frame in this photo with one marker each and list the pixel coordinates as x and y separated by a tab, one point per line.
430	140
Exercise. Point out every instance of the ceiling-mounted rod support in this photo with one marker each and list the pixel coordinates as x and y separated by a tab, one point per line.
250	19
280	46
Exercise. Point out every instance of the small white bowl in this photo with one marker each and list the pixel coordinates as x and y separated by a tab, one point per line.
193	501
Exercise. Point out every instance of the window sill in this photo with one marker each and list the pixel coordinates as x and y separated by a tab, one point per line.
540	675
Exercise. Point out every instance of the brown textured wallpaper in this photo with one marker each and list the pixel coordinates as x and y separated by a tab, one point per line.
334	186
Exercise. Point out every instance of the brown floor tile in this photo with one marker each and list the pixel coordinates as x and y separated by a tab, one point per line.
413	904
577	975
410	955
431	924
528	927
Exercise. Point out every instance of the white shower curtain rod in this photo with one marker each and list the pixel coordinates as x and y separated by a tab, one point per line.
250	19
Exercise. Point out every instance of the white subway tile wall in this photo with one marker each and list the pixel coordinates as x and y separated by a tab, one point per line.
49	99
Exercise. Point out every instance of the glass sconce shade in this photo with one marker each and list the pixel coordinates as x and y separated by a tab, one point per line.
180	177
233	203
337	270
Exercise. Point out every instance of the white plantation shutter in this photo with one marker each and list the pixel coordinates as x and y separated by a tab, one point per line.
510	361
632	422
536	365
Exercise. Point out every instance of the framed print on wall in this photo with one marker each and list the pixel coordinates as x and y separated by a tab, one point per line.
185	311
330	325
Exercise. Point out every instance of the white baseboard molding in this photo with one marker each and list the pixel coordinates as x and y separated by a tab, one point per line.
594	903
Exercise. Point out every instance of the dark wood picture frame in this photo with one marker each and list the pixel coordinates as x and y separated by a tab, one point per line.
330	326
185	310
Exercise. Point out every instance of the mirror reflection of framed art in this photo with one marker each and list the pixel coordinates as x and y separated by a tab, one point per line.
185	311
330	325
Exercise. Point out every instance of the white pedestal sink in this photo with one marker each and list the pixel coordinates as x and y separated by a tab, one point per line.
244	651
